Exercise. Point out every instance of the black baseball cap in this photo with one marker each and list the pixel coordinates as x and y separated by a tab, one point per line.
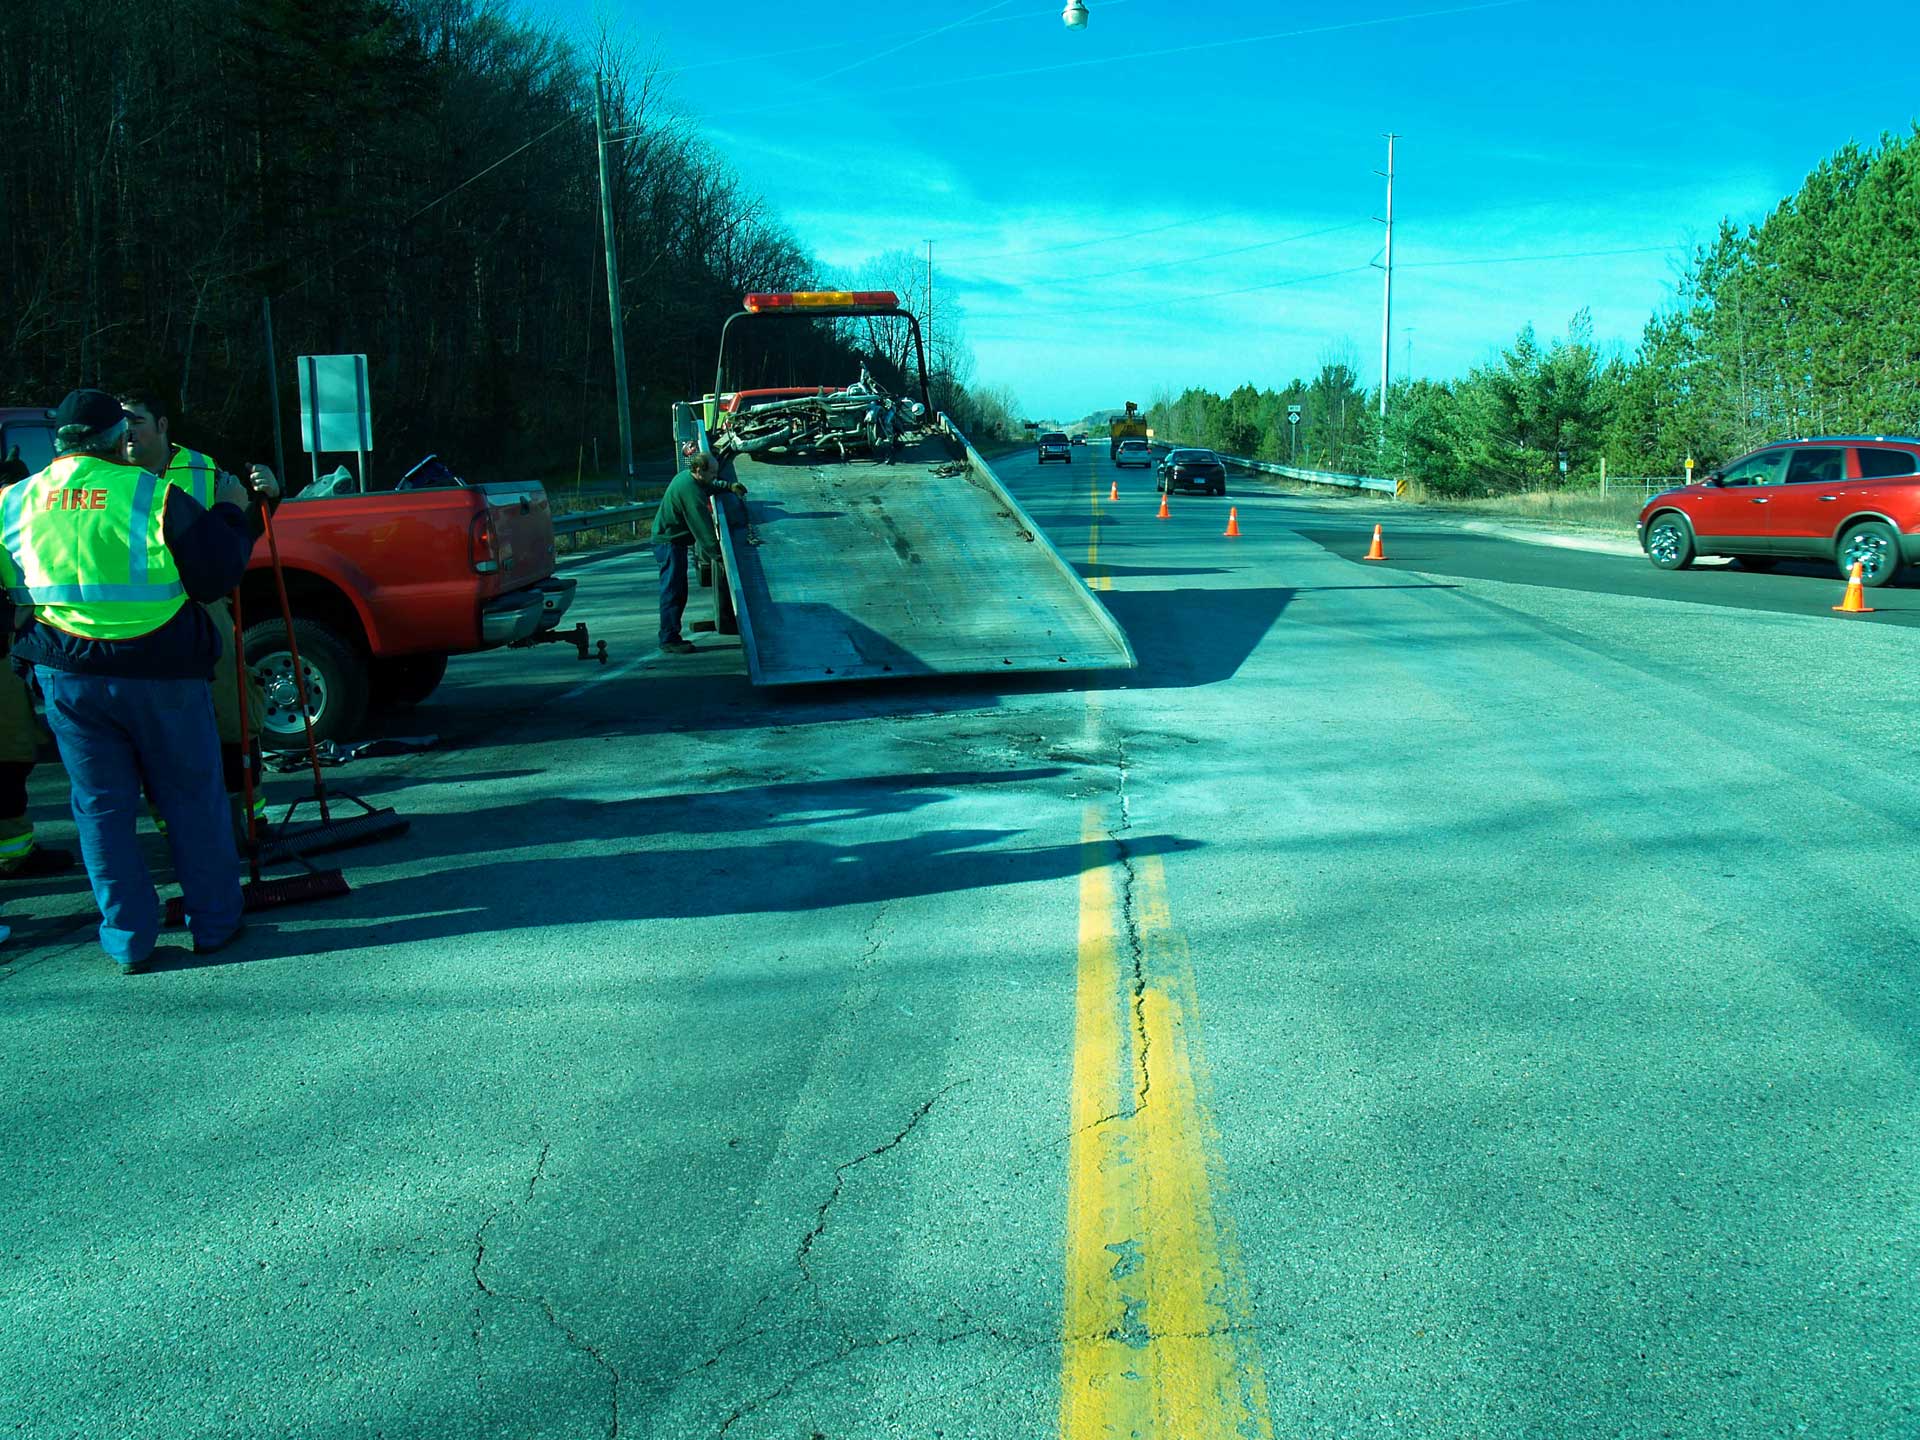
91	410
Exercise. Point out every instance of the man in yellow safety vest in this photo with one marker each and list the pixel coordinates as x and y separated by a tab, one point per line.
151	447
111	559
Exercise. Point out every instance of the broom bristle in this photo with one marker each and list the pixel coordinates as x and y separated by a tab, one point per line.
269	893
294	889
337	834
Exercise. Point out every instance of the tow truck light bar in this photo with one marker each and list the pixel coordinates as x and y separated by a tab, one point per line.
857	300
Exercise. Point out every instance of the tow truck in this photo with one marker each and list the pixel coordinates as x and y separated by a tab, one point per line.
886	544
1125	427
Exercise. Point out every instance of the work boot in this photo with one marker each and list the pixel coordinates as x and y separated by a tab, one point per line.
678	647
40	861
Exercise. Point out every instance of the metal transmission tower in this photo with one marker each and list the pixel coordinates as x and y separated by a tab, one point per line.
1386	304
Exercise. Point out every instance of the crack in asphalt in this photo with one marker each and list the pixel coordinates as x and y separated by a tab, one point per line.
573	1338
873	933
840	1180
846	1352
1136	950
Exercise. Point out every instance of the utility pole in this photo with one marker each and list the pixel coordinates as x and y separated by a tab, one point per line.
1386	306
613	278
932	357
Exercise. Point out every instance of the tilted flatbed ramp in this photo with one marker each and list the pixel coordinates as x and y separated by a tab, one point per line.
867	571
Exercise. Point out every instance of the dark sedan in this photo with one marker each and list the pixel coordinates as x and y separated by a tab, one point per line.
1193	470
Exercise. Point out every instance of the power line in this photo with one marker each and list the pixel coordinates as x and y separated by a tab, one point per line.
1097	240
1137	55
1201	259
908	44
1529	259
437	201
1165	300
973	24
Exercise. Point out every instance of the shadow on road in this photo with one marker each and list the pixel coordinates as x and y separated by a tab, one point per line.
1190	636
722	870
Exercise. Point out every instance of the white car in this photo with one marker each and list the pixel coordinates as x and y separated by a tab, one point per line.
1134	452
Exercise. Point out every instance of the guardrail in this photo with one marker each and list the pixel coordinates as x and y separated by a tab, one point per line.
599	519
1647	485
1294	472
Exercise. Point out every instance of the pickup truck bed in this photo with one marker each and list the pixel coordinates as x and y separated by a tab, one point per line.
923	567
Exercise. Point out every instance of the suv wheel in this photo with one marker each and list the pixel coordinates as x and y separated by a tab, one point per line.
1877	550
1670	542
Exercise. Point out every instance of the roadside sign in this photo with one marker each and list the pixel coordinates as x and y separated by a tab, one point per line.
336	415
1293	417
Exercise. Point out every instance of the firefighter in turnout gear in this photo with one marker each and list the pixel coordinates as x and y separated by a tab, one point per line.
112	559
150	446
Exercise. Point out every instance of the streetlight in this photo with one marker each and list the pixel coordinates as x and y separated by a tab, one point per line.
1074	17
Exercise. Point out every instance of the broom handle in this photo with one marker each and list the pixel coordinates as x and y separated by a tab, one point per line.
299	670
246	741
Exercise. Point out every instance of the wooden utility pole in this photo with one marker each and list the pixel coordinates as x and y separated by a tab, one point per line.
613	279
1386	304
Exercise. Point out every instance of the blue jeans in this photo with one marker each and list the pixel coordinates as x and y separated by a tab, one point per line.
673	588
114	733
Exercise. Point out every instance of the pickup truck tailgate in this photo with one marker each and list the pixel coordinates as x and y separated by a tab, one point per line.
522	535
924	567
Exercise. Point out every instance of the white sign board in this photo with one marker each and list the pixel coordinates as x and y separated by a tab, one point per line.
335	415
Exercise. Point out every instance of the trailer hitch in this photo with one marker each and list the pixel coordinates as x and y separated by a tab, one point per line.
576	637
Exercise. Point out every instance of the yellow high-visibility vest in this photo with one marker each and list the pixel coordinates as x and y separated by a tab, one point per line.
193	473
82	544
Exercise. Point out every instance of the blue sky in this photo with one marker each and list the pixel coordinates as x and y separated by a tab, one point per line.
1083	189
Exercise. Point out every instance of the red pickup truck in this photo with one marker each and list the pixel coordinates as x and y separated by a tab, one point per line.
384	587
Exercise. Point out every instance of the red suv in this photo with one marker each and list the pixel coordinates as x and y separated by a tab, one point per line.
1843	498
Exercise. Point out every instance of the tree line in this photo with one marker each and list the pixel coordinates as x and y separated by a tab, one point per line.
1801	324
415	180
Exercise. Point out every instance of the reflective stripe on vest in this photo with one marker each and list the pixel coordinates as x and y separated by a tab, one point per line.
83	543
195	474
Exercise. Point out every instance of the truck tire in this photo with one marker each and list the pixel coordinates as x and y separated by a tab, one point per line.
405	679
336	675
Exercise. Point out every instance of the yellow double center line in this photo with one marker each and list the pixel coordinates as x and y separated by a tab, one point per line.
1157	1328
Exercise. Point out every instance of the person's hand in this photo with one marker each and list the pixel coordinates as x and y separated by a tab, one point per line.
737	488
265	483
232	490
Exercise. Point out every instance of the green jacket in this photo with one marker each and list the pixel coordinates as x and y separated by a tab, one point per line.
685	517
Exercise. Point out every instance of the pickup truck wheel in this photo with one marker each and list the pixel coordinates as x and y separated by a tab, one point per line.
336	677
404	680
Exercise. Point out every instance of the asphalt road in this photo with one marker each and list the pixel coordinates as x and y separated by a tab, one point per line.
1466	996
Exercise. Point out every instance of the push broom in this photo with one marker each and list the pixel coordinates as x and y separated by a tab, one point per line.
293	841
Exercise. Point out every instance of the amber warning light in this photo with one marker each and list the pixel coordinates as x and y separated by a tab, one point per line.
825	300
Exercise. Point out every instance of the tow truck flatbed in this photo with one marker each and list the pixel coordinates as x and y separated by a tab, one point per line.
927	566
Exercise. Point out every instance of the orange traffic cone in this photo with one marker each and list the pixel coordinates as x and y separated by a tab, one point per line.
1376	553
1164	512
1114	492
1855	600
1233	521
